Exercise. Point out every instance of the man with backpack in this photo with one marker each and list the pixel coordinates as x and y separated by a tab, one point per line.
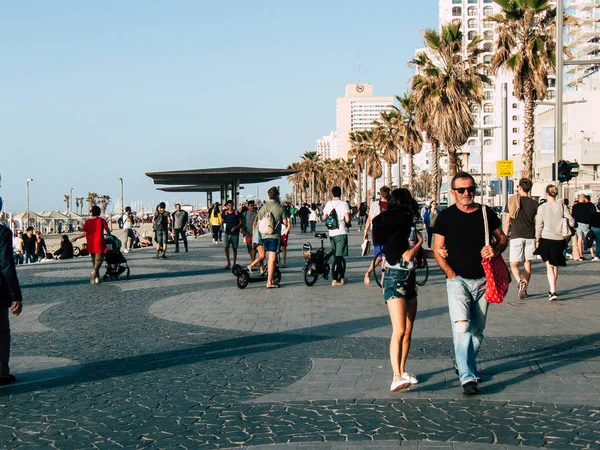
336	215
271	217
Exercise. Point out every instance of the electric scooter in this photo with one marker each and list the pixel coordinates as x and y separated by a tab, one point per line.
243	275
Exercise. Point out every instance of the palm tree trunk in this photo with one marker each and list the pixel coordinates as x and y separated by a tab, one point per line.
359	185
528	125
389	175
373	187
453	159
435	168
411	174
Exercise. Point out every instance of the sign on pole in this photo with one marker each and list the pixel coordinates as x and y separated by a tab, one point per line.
505	168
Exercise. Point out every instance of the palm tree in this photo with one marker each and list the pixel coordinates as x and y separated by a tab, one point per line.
526	47
309	168
104	202
372	157
356	155
388	138
448	82
412	136
92	199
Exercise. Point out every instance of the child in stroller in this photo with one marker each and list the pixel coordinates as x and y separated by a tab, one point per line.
116	264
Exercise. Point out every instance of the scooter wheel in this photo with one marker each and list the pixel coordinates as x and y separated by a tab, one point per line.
243	280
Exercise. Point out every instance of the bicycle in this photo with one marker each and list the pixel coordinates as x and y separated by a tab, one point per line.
421	269
317	263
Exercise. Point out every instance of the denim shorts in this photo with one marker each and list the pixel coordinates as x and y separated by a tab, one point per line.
399	283
270	244
582	229
161	236
378	249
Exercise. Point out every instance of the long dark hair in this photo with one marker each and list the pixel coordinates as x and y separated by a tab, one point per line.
402	201
216	210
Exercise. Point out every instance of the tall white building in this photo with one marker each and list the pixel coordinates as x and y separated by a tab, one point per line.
583	40
325	147
356	111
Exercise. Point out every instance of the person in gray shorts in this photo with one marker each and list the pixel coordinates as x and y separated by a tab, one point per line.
520	223
232	223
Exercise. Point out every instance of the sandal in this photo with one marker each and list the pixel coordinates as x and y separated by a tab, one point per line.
367	279
249	268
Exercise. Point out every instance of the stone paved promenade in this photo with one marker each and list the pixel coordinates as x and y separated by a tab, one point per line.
179	357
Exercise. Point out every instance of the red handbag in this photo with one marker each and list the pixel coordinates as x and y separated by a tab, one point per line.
497	275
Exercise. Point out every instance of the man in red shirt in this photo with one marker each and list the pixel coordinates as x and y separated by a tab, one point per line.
93	231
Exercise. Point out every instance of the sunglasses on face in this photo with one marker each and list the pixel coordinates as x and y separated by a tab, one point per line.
461	190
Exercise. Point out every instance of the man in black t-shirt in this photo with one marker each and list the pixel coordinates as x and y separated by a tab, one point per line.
582	213
29	244
520	221
460	231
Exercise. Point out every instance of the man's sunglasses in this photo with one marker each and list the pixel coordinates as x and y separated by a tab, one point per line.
462	190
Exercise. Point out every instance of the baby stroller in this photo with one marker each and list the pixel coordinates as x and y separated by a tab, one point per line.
116	264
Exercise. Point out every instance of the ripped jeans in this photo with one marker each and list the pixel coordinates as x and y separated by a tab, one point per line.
466	303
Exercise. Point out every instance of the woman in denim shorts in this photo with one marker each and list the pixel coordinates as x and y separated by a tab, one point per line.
399	286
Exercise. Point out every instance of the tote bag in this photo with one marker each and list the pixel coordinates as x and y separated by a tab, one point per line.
497	276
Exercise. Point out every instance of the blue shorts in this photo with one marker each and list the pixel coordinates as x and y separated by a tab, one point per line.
270	244
399	283
378	249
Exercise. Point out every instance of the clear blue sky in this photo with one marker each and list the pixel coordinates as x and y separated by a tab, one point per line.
92	91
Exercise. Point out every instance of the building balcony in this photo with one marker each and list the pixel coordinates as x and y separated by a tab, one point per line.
588	5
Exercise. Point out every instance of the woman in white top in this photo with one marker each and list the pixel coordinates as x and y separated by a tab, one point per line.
312	218
549	236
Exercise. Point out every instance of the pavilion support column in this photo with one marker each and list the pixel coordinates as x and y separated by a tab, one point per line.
223	193
235	192
209	199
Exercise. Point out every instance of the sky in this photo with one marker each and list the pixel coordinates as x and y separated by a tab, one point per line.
94	91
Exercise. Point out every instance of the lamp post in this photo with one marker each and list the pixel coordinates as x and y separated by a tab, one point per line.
481	140
27	198
121	182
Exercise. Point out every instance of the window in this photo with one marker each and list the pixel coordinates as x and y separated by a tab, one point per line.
487	1
487	47
473	1
488	11
488	108
471	143
515	142
474	108
472	35
488	120
488	34
515	130
473	133
489	95
487	142
472	23
550	94
472	11
488	24
515	118
487	59
488	133
456	2
457	11
515	105
551	82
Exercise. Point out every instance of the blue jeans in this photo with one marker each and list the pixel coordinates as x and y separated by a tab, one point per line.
468	311
30	257
597	239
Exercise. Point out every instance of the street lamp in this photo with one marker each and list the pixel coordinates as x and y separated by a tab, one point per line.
481	136
27	198
121	181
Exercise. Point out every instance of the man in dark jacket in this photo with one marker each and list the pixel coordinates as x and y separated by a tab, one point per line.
10	299
303	213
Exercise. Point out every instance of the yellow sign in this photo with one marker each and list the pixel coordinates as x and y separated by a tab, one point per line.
505	168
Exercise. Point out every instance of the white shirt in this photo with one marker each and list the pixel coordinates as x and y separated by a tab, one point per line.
17	244
341	208
126	223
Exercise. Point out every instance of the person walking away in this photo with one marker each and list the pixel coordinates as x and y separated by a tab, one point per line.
273	214
17	245
304	213
312	218
362	215
215	221
460	231
29	243
393	228
429	219
595	227
293	214
40	246
550	229
520	226
180	219
93	231
338	237
375	209
248	219
128	234
582	212
11	299
593	207
232	223
161	222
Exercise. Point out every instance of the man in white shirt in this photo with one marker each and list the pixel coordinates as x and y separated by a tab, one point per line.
18	248
128	234
338	237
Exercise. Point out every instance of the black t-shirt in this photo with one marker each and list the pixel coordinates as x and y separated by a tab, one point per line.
29	243
465	237
391	229
582	212
524	225
230	221
595	221
362	210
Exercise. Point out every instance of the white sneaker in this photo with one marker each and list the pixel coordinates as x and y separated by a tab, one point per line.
125	250
596	258
399	383
410	377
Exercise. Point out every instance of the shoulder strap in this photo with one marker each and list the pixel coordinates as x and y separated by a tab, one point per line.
485	224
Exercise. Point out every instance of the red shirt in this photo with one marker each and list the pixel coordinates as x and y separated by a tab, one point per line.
94	229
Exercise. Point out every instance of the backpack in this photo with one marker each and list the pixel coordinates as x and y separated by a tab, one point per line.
332	222
268	224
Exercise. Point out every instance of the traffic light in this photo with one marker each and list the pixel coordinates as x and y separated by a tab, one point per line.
567	170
